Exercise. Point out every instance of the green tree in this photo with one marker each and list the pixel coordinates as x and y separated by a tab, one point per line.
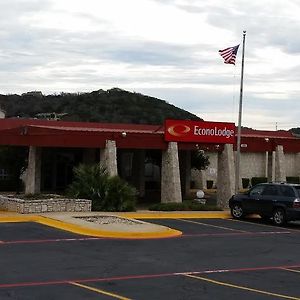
199	160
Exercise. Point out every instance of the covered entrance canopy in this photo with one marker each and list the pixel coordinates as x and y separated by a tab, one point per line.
38	134
46	133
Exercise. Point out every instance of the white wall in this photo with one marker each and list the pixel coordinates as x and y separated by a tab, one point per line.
252	165
291	164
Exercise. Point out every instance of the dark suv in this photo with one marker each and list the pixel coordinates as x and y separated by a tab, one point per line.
279	201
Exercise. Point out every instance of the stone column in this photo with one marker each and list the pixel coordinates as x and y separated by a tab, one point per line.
273	166
33	172
108	158
266	164
200	179
185	172
226	176
280	172
170	175
297	166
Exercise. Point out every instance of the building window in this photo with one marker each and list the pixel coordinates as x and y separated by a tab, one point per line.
3	174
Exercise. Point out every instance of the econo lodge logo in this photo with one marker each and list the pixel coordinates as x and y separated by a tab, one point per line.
179	129
199	131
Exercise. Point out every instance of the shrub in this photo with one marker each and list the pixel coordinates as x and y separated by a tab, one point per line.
107	193
245	182
256	180
188	205
292	179
90	182
119	196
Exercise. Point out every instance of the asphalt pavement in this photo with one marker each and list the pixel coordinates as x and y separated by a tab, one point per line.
212	258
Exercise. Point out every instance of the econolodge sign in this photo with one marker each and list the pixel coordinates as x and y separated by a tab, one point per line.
199	131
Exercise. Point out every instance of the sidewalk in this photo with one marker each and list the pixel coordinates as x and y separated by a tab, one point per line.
112	224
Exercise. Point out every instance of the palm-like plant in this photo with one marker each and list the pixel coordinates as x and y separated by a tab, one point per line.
107	193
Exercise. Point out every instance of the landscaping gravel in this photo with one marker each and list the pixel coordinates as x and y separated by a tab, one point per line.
109	220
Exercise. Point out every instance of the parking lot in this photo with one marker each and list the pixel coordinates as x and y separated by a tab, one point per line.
213	259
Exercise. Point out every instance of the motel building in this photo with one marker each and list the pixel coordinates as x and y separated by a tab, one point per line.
155	159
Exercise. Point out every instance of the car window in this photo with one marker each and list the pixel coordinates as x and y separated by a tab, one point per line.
257	190
298	190
270	190
287	191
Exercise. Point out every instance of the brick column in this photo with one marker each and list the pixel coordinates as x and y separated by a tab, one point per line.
226	176
108	158
280	172
33	172
170	175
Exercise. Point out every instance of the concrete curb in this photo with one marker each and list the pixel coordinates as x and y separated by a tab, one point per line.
67	222
161	232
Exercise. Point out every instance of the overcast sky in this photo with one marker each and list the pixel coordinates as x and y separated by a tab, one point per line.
162	48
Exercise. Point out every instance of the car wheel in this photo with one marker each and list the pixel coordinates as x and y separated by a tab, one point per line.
237	211
279	217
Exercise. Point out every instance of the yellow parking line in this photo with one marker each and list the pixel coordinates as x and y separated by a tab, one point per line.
210	225
291	270
241	287
99	291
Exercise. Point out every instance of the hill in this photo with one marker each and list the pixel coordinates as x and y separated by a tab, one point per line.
113	106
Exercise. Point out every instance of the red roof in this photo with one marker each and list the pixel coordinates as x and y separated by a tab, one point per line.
247	132
45	133
81	126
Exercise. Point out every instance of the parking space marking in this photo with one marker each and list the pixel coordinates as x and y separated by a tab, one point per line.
37	241
210	225
247	222
234	234
241	287
143	276
99	291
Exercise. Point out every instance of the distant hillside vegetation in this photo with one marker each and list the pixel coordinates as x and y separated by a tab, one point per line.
113	106
295	131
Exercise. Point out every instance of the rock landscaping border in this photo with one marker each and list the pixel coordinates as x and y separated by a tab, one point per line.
27	206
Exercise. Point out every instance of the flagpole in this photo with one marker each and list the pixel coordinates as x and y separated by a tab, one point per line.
238	150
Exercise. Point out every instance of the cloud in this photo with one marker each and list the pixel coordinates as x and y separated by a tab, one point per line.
163	48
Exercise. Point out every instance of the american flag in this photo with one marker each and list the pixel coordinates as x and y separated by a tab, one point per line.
229	54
